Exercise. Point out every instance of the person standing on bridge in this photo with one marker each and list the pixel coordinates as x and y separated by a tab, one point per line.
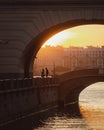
47	72
42	73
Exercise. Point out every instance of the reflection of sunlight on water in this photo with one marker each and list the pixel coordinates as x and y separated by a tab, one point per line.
94	118
63	123
91	102
93	96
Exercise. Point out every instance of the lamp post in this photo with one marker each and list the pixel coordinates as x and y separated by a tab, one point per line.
54	69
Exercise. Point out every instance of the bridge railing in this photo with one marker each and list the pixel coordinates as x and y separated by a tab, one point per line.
8	84
79	73
44	81
15	83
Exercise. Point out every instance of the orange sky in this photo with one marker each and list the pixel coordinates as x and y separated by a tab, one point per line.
84	35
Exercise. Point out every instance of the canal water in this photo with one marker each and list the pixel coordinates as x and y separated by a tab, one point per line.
92	106
91	117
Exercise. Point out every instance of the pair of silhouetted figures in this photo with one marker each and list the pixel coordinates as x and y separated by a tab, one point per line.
44	72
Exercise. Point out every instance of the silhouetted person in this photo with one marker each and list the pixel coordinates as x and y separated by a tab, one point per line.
42	73
47	72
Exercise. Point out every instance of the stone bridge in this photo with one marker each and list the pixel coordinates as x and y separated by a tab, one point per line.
21	97
26	24
72	83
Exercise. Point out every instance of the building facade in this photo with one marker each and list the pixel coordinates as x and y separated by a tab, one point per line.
82	58
59	59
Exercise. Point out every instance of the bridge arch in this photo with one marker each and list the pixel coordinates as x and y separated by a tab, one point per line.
24	28
33	47
75	82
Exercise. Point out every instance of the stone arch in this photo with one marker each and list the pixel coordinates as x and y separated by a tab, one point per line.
73	89
33	47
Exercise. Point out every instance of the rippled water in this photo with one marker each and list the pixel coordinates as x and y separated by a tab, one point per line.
64	123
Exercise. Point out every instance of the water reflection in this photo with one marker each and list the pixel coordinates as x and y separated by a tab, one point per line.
57	120
94	118
63	122
92	106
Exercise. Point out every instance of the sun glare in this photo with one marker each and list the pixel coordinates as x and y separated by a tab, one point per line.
59	38
84	35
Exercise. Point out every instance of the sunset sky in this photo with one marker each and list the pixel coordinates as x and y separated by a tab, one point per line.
84	35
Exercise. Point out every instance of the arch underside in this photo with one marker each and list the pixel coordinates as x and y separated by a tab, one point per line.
24	31
72	88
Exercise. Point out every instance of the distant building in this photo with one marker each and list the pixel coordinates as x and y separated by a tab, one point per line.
81	58
49	57
61	59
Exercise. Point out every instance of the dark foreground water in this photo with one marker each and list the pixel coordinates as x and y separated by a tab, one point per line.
91	103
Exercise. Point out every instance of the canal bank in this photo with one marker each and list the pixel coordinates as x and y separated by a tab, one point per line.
38	118
23	97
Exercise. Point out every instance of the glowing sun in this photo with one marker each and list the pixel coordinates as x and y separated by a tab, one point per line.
59	38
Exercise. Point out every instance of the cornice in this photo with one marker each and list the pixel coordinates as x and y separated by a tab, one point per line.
52	2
